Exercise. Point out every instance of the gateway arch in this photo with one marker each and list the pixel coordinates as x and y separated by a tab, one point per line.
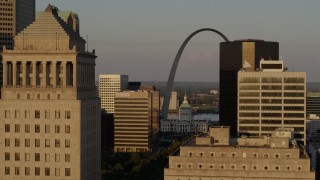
167	94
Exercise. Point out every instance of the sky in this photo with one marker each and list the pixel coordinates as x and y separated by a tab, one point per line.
140	38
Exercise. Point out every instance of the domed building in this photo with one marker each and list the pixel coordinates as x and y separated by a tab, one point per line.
185	112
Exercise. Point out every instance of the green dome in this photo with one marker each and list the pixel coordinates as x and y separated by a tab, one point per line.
185	104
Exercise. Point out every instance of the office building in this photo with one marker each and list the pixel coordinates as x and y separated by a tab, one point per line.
173	104
313	103
108	85
216	156
49	111
271	98
233	56
15	15
314	151
136	120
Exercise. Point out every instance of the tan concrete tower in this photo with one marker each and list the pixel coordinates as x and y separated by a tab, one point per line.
49	111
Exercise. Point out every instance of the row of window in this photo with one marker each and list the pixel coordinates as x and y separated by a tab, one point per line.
37	171
242	167
272	108
37	143
37	157
272	101
256	121
37	114
271	94
37	128
278	115
271	80
266	128
270	87
234	154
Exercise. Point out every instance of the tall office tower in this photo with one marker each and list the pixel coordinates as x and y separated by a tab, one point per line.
313	103
108	85
272	98
215	156
49	111
134	120
233	56
14	17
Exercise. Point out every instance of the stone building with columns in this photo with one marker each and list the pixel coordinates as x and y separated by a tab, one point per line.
49	111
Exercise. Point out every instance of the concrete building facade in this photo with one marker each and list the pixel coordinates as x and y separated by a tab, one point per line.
313	103
109	84
49	111
136	120
216	156
15	15
271	98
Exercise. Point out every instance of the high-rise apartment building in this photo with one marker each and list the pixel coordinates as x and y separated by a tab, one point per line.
272	98
233	56
136	120
214	156
15	15
313	103
49	111
108	85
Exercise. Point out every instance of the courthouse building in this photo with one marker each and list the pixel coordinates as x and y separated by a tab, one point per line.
49	111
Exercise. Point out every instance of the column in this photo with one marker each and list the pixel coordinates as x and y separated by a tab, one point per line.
5	66
24	73
14	73
44	74
64	73
74	75
34	75
54	73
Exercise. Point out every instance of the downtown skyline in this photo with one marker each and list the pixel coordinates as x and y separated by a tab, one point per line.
141	38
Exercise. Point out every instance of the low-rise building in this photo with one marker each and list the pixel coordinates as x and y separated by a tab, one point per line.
215	155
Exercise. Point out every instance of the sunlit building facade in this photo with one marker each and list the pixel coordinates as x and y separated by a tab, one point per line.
271	98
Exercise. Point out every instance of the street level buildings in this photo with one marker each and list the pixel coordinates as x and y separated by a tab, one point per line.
233	56
49	111
271	98
216	156
108	85
136	120
15	15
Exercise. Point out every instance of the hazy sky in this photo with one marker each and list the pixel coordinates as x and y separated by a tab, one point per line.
141	37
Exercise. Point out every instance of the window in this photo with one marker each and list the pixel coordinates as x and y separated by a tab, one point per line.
277	168
57	171
7	127
244	167
57	114
288	155
47	114
67	172
276	156
57	128
17	142
37	142
57	157
17	170
233	166
17	128
47	128
27	171
67	129
7	114
254	167
47	157
7	170
17	114
179	166
68	115
37	128
67	157
266	168
37	114
27	128
27	142
17	156
265	155
37	156
27	114
37	171
7	142
288	168
190	154
212	154
7	156
47	142
67	143
200	166
47	171
27	156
